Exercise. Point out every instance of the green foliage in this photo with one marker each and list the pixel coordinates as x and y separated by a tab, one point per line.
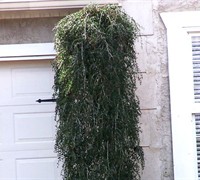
97	108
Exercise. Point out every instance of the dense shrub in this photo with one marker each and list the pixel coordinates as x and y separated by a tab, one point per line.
97	107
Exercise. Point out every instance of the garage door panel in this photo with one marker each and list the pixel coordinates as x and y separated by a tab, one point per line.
7	127
32	81
1	128
36	168
23	83
1	166
7	171
30	165
27	127
5	81
38	164
36	127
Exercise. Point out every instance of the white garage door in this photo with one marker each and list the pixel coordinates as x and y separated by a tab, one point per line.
27	129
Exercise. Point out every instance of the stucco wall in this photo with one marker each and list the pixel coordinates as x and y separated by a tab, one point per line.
156	137
154	91
27	30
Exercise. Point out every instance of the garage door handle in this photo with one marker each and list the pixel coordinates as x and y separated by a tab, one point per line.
45	100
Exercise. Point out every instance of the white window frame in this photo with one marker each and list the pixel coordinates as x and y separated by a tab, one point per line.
180	26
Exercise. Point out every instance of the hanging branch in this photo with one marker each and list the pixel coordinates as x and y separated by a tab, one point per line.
97	107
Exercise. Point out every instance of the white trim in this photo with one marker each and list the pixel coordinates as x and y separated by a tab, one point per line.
14	5
179	26
181	19
37	51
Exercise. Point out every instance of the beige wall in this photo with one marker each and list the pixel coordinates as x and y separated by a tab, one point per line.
154	90
28	30
156	137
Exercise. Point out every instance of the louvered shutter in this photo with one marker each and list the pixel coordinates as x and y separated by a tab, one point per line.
196	66
196	86
197	124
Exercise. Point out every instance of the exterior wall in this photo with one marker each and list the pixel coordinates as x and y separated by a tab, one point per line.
153	91
156	137
29	30
152	58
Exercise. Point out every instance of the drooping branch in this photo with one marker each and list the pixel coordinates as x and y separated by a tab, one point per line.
97	107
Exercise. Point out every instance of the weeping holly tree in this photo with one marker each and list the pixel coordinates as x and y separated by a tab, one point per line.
97	106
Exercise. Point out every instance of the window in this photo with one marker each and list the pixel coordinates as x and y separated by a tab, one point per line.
195	40
183	35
